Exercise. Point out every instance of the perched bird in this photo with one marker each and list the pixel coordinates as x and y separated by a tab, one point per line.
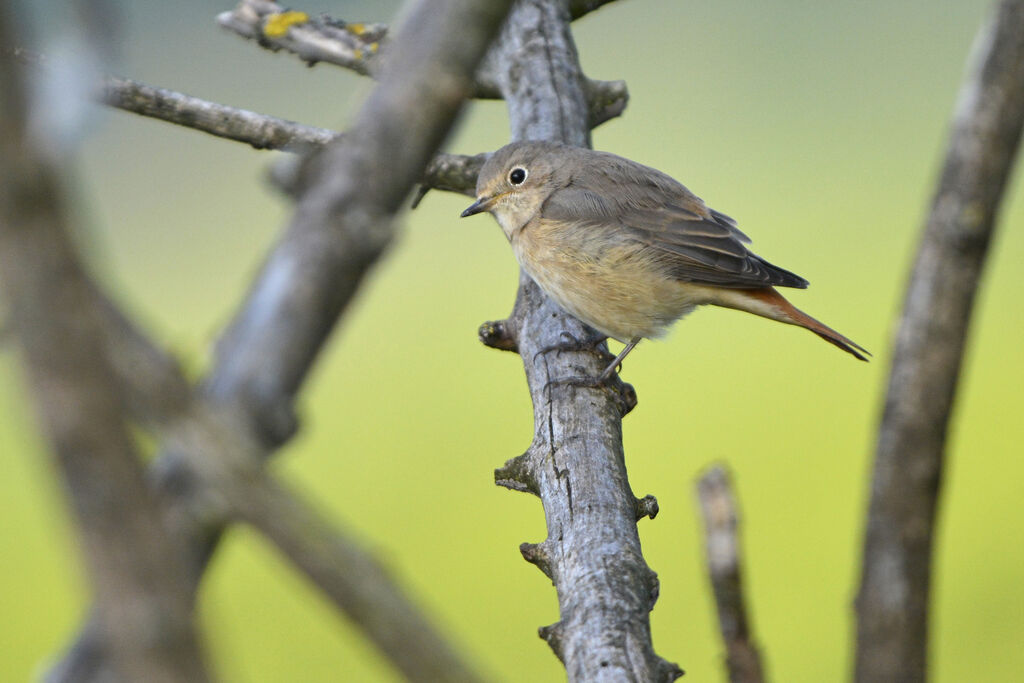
624	247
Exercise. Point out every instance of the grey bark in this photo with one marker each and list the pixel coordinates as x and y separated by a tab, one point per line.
343	223
721	525
143	605
575	463
363	48
450	172
892	606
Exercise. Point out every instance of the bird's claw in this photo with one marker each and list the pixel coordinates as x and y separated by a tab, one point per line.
568	342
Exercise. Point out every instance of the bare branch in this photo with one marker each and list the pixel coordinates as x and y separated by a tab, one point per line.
259	130
449	172
214	443
361	47
353	580
342	225
143	603
721	524
575	463
892	605
352	45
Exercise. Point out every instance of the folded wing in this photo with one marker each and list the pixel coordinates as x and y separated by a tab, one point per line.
695	243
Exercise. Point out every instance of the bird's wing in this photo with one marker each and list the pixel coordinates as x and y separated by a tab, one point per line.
695	243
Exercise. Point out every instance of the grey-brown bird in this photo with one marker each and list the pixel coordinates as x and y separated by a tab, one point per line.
624	247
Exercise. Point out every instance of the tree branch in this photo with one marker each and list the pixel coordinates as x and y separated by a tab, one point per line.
575	463
449	172
143	603
341	226
360	47
721	523
892	605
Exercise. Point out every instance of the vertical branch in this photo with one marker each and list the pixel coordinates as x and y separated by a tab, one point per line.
575	463
892	605
143	603
721	523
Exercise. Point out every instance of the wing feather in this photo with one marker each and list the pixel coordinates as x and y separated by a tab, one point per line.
693	242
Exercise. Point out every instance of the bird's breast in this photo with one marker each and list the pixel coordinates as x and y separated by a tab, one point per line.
610	283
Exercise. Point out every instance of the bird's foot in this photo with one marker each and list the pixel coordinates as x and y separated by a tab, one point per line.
568	342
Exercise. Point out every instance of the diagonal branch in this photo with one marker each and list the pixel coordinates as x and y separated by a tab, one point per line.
449	172
892	606
259	130
342	224
362	48
721	523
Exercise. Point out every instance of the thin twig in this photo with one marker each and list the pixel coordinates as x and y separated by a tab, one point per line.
259	130
721	525
448	172
361	47
892	606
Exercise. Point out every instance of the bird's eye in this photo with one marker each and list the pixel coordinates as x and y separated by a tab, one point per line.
517	176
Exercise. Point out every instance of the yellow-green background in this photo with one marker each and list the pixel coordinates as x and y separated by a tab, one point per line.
818	125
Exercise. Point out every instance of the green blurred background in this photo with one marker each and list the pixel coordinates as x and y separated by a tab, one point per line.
817	125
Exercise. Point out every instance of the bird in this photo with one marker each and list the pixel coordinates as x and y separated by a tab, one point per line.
627	249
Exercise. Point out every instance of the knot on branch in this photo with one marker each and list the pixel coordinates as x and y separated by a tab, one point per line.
498	334
605	100
669	671
646	507
273	421
553	636
626	401
537	555
517	475
653	586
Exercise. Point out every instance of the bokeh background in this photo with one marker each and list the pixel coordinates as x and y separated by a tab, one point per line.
818	125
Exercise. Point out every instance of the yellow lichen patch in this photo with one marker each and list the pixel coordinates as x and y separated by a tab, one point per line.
356	29
278	24
357	54
372	47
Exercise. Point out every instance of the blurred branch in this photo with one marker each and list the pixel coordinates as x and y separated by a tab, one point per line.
225	463
143	603
721	523
575	463
353	580
892	605
342	224
361	48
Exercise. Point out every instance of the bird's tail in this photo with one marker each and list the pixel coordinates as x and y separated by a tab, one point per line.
769	303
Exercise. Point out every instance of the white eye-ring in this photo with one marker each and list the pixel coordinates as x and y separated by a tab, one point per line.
517	176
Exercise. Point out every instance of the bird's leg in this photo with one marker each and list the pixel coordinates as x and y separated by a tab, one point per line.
618	359
594	382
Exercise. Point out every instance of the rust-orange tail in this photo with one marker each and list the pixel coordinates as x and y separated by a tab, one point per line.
770	304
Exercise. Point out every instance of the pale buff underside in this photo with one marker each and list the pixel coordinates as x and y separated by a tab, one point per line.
611	287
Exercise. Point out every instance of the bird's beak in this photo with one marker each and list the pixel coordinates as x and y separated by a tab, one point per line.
480	205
